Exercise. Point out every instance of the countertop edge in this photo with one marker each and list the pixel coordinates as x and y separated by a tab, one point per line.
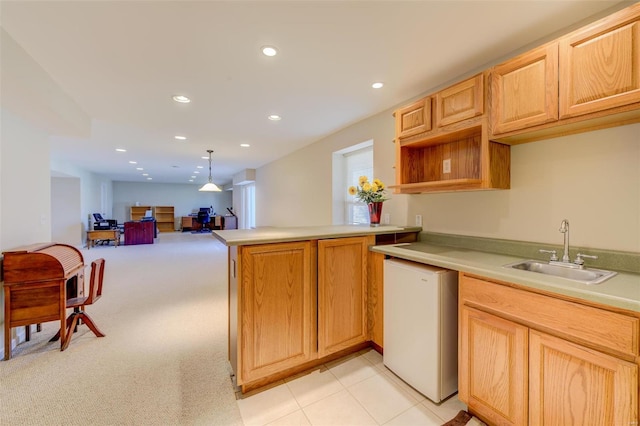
269	235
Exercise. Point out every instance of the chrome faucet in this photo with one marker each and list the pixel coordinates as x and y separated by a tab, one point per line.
564	228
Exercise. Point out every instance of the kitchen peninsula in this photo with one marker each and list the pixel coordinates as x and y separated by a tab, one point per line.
301	296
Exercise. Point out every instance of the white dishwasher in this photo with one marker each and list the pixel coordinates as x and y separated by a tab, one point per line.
421	326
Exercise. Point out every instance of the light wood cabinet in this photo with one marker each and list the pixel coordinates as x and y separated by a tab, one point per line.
457	155
342	293
414	119
375	299
165	218
529	358
574	385
493	367
586	80
277	299
524	90
600	65
460	102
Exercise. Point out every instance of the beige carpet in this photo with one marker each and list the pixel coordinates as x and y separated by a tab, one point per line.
163	360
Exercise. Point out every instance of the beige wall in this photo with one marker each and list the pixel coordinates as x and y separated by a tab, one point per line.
296	190
592	179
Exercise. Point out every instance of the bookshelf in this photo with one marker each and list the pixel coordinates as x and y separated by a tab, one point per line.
137	212
165	218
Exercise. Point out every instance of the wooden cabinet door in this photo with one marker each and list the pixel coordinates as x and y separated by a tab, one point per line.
600	65
524	90
375	297
342	293
492	367
413	119
573	385
277	304
460	101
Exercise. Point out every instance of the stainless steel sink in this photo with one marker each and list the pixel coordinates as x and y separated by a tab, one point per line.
570	271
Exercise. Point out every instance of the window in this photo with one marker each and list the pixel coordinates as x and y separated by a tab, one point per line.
349	164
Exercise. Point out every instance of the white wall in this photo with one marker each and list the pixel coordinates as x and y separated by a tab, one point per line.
65	206
91	185
25	185
184	198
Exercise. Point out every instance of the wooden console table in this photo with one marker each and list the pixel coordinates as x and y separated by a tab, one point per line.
104	234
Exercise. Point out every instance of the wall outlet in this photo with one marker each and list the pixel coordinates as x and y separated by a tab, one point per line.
386	219
418	220
446	166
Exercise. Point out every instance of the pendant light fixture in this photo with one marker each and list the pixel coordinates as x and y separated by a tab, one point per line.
210	186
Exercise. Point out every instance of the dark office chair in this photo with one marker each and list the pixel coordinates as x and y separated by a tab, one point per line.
203	219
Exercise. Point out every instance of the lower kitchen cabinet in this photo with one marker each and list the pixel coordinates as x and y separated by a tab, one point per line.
493	367
573	385
277	303
527	358
342	293
295	304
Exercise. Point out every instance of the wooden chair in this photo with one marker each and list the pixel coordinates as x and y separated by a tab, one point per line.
78	304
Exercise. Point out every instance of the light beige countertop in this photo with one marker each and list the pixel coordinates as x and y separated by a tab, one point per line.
239	237
621	291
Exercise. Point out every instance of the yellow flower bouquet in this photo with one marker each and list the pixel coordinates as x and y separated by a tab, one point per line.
369	192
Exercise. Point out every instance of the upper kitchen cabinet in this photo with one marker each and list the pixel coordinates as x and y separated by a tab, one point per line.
586	80
524	90
456	155
600	65
460	101
414	119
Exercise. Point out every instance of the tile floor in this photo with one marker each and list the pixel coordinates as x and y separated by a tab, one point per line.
355	390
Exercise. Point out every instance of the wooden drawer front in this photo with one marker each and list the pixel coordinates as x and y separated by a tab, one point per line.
31	304
600	67
414	119
609	331
460	102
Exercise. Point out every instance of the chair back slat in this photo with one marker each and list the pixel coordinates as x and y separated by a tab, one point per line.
95	283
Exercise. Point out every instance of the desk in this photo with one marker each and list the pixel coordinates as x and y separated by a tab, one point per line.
139	232
38	279
190	223
103	234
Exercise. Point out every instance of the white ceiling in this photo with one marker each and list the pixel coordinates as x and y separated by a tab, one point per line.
121	62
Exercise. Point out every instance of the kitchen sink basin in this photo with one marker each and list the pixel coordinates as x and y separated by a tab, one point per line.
570	272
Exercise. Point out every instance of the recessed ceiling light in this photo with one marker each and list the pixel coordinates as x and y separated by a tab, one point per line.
182	99
205	158
149	178
145	174
274	117
269	51
245	145
133	162
196	172
199	167
377	85
193	177
181	138
190	180
121	150
139	168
